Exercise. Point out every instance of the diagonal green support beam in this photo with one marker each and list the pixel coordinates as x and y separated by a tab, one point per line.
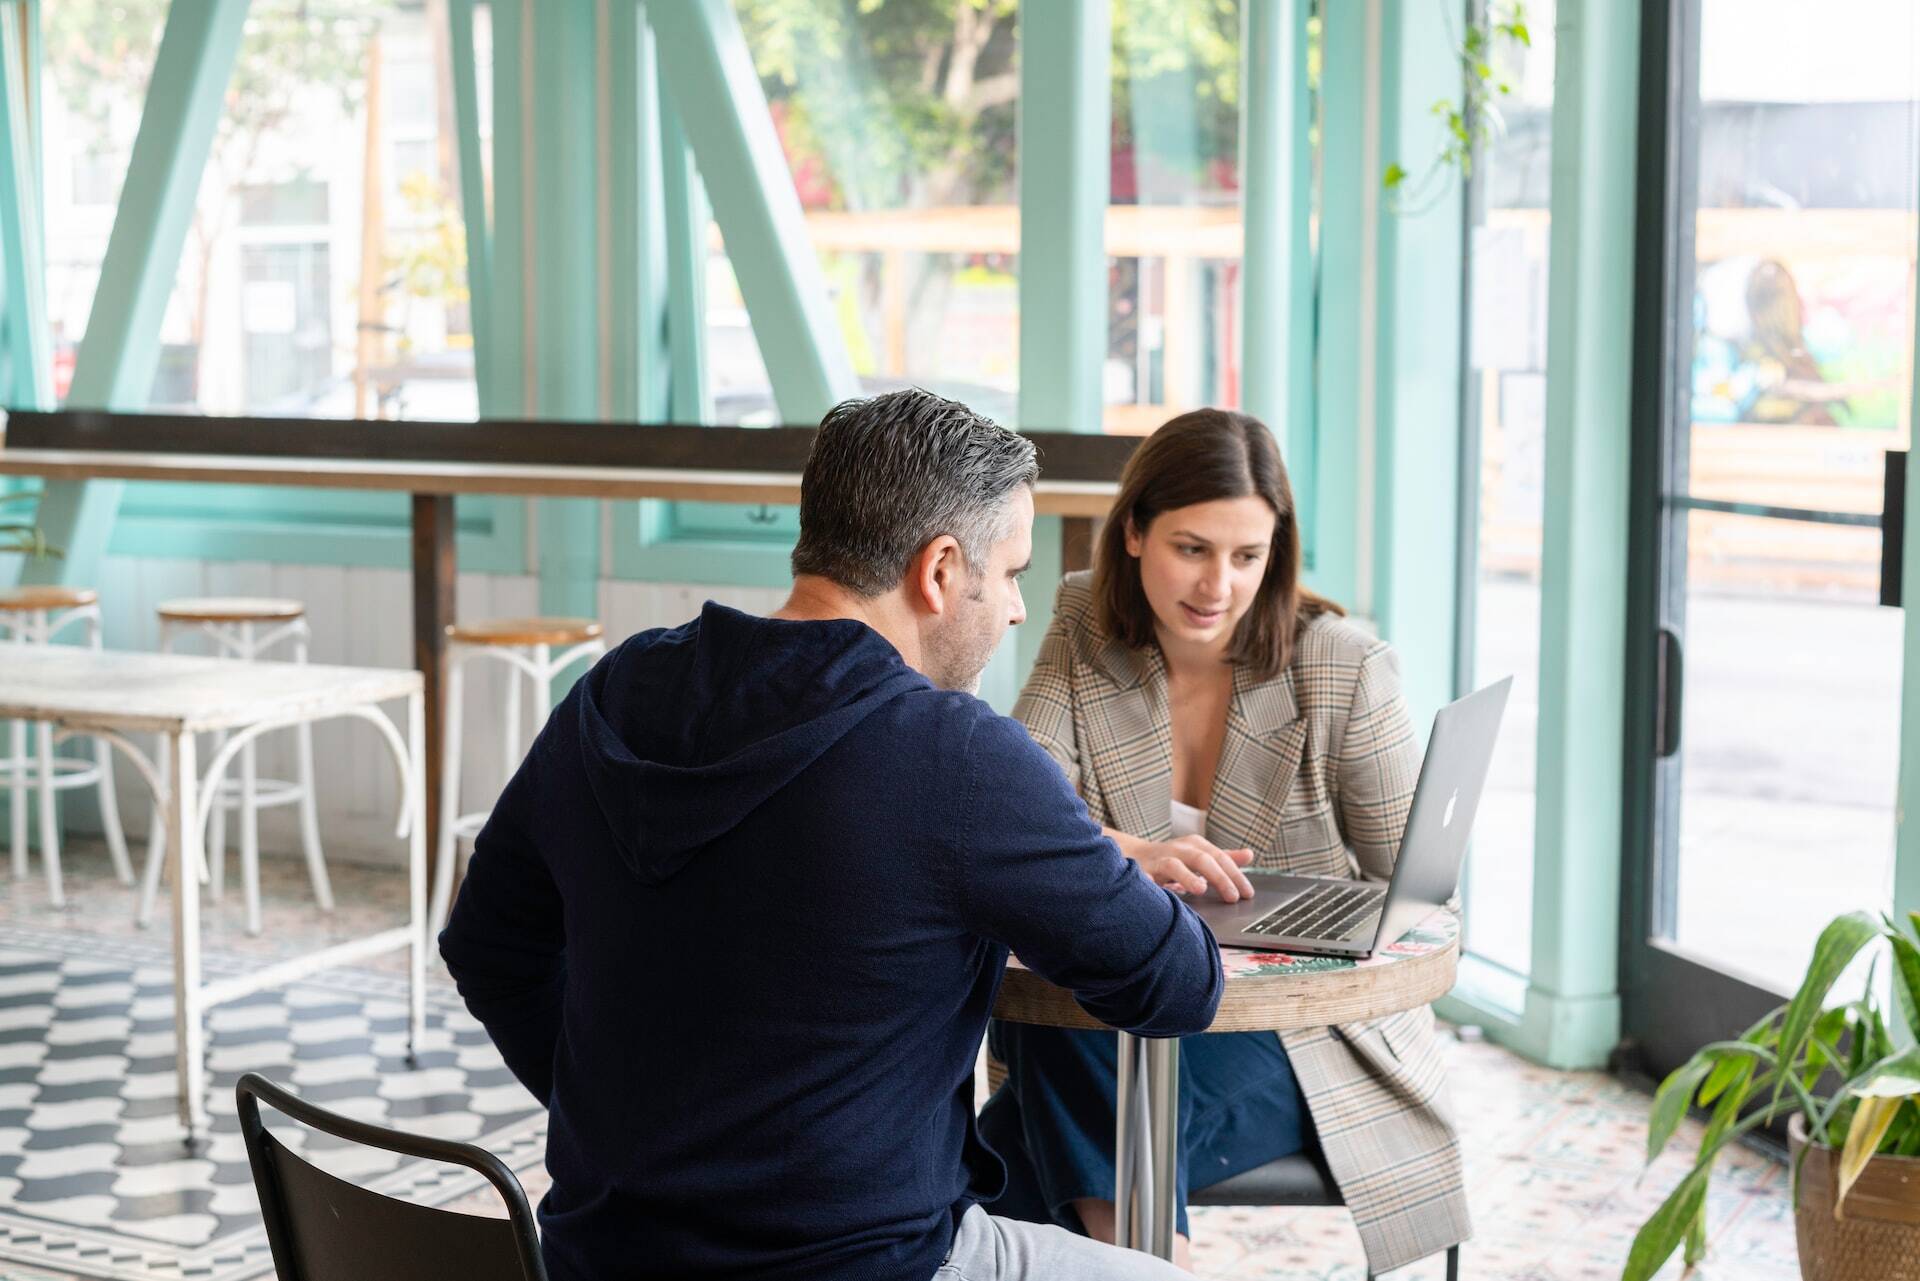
121	350
473	198
707	69
29	383
1066	116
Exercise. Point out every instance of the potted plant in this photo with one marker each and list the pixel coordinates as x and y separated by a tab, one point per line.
1849	1079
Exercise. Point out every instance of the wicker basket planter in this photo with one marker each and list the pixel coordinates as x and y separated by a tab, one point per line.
1879	1239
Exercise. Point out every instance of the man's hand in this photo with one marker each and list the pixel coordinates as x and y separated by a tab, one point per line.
1191	864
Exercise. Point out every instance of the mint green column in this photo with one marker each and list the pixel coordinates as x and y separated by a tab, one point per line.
1349	204
510	380
473	199
1418	354
22	218
1572	1015
568	340
1066	115
121	350
637	264
687	216
708	70
1276	194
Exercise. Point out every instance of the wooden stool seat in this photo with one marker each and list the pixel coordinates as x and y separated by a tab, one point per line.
526	631
230	609
29	599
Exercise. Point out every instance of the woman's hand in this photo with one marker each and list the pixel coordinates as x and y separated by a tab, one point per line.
1192	864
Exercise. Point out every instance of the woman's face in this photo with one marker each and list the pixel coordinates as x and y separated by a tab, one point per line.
1201	567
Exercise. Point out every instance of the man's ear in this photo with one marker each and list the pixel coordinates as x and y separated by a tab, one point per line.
935	574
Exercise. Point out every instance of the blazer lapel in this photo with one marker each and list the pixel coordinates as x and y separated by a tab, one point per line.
1259	758
1132	732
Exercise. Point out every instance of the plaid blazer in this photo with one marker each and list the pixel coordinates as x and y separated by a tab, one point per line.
1316	776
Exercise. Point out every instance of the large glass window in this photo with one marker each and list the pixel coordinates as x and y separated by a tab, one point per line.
1505	391
324	271
899	126
1173	229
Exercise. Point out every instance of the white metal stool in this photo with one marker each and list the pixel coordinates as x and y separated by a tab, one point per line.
35	616
244	627
526	645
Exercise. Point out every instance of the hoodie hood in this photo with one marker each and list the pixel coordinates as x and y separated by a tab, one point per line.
684	733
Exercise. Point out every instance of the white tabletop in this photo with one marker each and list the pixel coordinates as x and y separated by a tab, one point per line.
176	693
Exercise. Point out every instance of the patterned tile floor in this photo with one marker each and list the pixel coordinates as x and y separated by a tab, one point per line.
1553	1158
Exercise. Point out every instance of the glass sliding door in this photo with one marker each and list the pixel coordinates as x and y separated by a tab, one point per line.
1777	242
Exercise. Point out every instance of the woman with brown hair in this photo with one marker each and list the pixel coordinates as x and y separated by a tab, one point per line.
1213	713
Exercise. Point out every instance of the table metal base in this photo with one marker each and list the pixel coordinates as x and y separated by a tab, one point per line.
1146	1139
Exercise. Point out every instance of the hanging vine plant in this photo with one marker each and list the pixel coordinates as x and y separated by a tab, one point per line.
1472	121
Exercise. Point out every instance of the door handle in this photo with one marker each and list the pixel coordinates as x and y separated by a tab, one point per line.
1893	527
1672	688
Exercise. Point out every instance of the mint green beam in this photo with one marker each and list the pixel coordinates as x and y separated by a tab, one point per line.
686	217
510	380
121	350
1066	116
1572	1015
1349	177
1418	347
473	197
706	67
568	336
1276	187
22	245
639	370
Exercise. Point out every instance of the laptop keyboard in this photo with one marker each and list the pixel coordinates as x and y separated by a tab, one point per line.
1336	913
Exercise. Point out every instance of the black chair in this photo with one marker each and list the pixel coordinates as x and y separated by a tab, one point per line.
1298	1180
324	1229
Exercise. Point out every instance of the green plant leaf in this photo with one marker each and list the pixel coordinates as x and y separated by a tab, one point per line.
1697	1237
1729	1071
1839	943
1671	1099
1661	1234
1394	176
1906	988
1896	1076
1863	1140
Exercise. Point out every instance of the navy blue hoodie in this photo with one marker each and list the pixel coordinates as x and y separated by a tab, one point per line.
739	920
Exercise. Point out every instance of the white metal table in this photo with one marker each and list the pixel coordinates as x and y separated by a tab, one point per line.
111	694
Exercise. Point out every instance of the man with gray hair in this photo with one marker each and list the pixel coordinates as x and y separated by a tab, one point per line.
739	919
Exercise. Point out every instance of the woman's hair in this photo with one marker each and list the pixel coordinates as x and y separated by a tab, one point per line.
1200	457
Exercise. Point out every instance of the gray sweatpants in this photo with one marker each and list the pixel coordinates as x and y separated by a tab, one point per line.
990	1249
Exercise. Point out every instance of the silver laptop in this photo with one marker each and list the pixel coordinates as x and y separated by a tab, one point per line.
1335	916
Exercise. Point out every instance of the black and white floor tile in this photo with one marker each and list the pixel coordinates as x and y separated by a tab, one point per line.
95	1179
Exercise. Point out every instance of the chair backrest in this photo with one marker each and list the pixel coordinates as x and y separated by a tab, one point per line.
322	1228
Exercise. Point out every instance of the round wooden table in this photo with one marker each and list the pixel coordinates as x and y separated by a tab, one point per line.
1265	992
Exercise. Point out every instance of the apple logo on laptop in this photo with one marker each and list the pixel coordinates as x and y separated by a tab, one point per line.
1447	817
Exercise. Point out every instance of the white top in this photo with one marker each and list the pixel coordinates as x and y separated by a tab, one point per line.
170	693
1188	821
